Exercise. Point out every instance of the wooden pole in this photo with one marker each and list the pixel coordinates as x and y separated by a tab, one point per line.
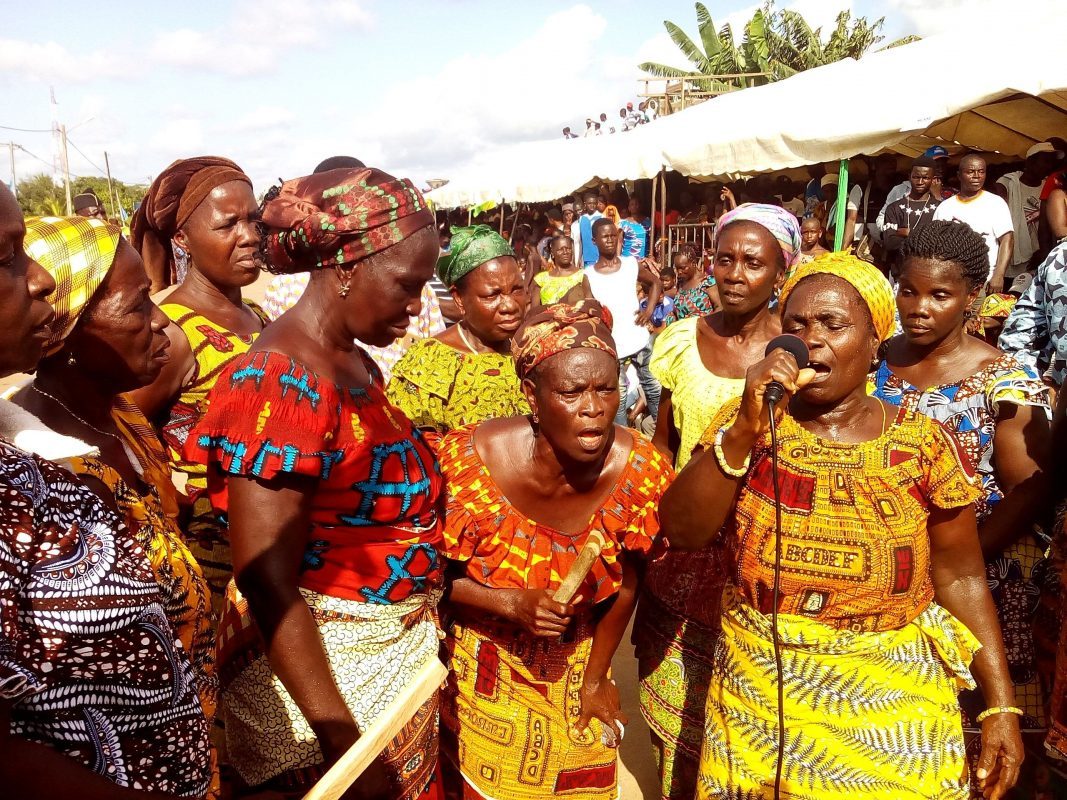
111	190
663	216
842	205
652	227
14	182
379	733
66	168
587	556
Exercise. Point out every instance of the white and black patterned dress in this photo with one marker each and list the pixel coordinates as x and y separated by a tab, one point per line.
87	656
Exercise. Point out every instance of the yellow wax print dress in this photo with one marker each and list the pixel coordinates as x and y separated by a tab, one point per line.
677	620
213	348
440	389
555	288
871	665
513	700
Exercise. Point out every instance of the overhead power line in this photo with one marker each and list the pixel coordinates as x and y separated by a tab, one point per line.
31	155
26	130
79	152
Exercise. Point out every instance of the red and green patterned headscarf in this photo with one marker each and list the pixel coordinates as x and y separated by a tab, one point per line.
338	218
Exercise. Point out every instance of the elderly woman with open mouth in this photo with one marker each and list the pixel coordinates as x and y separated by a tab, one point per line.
531	709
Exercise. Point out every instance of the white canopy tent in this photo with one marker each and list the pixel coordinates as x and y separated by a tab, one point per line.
953	88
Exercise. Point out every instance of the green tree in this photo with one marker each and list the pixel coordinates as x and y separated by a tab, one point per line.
128	194
776	44
39	195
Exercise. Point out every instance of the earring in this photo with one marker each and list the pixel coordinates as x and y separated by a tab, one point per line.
346	282
536	425
71	361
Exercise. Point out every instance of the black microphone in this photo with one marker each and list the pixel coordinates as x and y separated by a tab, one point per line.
793	345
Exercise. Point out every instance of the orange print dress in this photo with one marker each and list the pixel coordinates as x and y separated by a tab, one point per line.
513	700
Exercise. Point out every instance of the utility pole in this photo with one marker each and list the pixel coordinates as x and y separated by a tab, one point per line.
111	191
14	183
66	168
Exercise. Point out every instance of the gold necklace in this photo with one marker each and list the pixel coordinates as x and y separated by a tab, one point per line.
466	341
66	408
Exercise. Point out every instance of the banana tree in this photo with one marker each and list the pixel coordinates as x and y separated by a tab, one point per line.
776	44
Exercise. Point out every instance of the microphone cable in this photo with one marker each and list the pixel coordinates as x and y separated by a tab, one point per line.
775	594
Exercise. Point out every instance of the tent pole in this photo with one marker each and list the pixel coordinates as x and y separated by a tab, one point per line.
652	219
502	208
663	214
470	213
842	205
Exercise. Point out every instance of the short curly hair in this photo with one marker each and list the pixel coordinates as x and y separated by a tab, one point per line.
954	242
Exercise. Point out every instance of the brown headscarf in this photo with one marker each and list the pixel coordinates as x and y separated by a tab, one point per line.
172	198
561	327
339	217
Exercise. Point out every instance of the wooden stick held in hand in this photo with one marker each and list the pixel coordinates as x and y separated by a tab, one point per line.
380	732
588	555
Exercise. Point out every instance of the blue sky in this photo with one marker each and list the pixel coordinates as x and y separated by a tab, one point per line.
277	85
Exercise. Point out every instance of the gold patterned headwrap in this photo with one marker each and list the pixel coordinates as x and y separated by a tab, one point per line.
561	327
78	253
863	276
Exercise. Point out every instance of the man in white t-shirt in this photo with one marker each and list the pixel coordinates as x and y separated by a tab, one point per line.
613	279
987	215
1022	192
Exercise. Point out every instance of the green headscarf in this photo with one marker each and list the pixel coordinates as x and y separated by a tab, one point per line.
471	247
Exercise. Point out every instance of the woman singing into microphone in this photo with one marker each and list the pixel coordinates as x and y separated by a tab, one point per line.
882	600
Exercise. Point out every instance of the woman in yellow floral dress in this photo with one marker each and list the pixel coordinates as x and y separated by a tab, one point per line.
562	282
466	374
882	606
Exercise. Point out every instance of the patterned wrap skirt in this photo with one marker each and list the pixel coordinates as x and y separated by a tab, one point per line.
674	635
867	715
511	711
374	651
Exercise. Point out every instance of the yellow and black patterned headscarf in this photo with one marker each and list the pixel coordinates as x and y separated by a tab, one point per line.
78	253
863	276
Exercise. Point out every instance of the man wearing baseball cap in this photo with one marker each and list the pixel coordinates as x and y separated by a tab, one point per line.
939	155
87	204
1021	190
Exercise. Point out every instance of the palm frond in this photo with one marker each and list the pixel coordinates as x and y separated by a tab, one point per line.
662	70
686	45
706	27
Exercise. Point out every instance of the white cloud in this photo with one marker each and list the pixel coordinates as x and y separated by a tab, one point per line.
474	101
927	19
256	34
263	118
49	61
179	137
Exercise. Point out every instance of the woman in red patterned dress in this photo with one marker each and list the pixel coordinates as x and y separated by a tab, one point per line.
332	498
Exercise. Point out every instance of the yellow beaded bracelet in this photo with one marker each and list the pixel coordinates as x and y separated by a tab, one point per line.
997	710
724	465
